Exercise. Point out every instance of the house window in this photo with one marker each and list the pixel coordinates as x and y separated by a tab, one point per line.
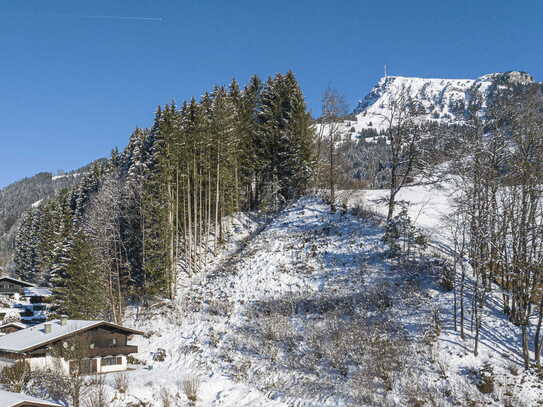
114	341
112	361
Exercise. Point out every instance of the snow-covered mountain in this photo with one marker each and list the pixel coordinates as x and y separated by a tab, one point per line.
439	100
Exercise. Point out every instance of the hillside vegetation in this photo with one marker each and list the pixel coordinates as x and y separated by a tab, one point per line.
250	243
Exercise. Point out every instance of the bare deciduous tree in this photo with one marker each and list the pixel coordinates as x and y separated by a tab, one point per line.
500	174
403	136
331	129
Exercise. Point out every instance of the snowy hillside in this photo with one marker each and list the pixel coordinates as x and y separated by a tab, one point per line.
291	318
307	310
439	100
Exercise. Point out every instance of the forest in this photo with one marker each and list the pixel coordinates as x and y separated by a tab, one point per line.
136	222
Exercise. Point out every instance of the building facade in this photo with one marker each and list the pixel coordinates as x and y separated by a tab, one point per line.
10	286
71	346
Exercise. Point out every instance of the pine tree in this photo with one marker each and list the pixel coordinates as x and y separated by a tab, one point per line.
81	293
26	246
286	135
157	208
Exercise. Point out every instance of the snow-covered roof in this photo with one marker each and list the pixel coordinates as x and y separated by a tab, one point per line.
17	281
34	337
37	292
8	399
15	324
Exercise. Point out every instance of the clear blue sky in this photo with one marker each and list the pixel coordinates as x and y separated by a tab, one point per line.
73	84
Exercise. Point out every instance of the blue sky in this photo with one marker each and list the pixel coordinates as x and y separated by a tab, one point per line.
75	80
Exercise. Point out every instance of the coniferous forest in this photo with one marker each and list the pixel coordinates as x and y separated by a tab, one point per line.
134	222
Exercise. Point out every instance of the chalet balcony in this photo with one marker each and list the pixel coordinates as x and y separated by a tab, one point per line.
10	291
113	351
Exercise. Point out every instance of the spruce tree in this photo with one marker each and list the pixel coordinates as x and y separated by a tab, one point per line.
81	293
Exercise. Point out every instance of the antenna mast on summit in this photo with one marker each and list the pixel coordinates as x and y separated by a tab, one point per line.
385	71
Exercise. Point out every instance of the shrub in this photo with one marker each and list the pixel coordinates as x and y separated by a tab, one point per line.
486	378
99	395
363	212
15	377
159	355
48	384
379	297
165	398
131	360
447	276
121	383
191	387
219	307
513	369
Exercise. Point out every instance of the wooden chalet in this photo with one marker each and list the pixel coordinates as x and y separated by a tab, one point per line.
10	327
11	286
102	347
9	399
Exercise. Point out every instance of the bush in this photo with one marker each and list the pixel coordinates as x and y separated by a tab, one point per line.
131	360
486	378
121	383
98	394
15	377
219	307
513	368
191	387
370	215
159	355
48	384
165	398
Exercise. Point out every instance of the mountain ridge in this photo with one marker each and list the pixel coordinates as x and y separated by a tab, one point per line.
440	100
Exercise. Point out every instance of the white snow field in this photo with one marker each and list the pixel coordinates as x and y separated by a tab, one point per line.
306	309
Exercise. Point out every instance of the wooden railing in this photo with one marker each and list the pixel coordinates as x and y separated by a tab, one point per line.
113	351
11	290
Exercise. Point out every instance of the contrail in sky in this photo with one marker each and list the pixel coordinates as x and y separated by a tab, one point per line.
103	17
158	19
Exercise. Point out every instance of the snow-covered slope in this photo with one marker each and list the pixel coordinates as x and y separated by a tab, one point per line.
306	309
282	321
289	313
439	100
430	206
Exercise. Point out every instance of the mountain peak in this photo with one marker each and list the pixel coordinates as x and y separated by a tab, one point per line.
442	100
